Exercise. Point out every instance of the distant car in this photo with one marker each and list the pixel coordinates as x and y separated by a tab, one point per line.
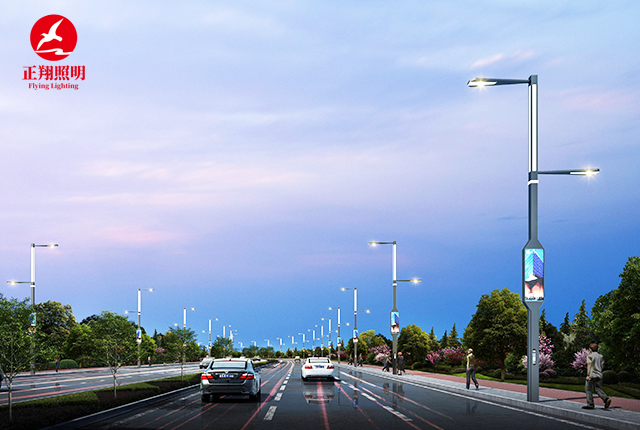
317	367
230	376
297	359
205	362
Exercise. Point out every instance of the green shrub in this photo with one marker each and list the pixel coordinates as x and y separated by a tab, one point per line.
417	366
609	377
459	370
497	373
67	364
371	358
624	376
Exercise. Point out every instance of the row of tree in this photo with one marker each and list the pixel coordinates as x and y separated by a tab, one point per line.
497	332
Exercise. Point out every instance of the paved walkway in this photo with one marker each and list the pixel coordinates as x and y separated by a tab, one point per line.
624	414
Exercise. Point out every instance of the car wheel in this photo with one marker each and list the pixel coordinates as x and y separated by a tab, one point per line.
206	398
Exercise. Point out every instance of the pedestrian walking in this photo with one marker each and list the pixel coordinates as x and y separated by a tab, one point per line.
471	369
57	364
385	367
595	363
400	364
149	360
350	360
360	360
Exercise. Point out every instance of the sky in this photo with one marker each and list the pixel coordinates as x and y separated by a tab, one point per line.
237	157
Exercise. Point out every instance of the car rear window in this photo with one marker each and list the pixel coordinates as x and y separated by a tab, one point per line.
229	365
318	360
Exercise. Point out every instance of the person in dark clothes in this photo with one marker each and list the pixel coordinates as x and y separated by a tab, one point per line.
400	364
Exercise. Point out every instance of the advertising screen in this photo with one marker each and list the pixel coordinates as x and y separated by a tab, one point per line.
395	322
355	335
533	275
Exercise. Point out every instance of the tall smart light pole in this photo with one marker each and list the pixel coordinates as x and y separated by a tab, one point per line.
395	314
339	338
533	252
33	296
279	338
139	331
210	345
355	322
303	339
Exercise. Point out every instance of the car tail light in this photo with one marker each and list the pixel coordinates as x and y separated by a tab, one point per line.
206	376
308	367
247	376
329	367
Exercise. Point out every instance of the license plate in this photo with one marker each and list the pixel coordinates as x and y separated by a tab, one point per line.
226	375
319	367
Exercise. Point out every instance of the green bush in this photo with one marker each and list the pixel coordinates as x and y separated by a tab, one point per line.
609	377
459	370
624	376
417	366
371	358
68	364
497	373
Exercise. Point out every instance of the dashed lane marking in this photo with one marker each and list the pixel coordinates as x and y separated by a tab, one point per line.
270	413
396	413
278	397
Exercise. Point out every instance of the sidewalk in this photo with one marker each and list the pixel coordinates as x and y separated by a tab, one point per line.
624	414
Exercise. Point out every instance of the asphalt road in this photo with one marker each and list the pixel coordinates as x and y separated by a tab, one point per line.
357	401
49	384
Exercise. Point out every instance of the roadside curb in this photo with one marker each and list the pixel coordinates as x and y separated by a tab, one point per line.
624	420
89	420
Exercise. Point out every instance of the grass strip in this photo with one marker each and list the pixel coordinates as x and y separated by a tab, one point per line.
55	410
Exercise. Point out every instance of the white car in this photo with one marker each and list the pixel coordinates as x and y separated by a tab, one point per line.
317	367
205	362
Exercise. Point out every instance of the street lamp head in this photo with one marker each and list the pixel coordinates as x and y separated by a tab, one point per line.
416	280
487	82
373	243
479	82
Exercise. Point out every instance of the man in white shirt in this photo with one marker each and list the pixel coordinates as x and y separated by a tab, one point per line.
594	378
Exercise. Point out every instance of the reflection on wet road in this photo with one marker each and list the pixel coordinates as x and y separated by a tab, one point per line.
354	401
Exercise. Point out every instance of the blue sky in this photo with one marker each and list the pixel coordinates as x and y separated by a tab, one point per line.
238	156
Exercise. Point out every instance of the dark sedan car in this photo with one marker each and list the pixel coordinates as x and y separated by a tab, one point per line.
230	376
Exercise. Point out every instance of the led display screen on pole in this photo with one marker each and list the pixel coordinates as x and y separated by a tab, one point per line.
533	275
395	322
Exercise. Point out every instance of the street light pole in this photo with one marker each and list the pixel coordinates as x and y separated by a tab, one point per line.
339	338
395	314
33	297
533	252
210	345
139	331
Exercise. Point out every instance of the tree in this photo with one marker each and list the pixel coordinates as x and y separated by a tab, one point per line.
221	347
453	337
80	344
16	336
498	327
616	318
55	322
444	340
565	327
115	341
176	340
413	343
433	341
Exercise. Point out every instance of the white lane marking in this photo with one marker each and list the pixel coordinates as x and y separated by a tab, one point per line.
497	404
397	414
270	413
282	387
278	397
